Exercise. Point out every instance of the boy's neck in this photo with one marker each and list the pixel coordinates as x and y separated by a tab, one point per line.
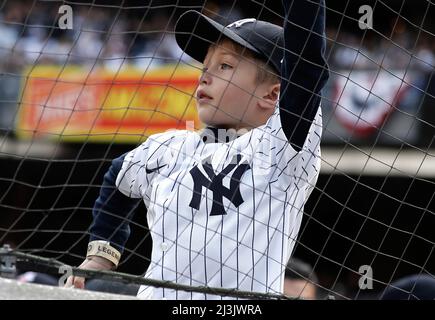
220	134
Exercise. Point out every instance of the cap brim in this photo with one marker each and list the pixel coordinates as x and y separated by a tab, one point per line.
195	33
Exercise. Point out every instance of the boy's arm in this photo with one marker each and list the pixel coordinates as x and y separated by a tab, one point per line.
121	193
110	227
112	211
304	70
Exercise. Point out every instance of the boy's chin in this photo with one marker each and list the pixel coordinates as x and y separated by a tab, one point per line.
208	117
213	118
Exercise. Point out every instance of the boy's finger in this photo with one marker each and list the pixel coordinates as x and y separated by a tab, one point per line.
79	282
69	282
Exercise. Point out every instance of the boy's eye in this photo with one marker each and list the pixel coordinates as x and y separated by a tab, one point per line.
225	66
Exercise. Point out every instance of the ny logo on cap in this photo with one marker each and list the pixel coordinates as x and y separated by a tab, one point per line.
240	23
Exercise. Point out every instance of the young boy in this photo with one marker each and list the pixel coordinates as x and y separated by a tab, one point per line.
226	213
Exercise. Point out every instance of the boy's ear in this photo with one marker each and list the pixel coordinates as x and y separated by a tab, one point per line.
269	99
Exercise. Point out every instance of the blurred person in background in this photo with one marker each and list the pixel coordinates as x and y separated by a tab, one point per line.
300	280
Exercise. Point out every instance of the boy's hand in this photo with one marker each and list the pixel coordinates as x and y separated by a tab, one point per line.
90	263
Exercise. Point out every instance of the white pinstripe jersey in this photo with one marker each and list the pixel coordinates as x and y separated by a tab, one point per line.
222	214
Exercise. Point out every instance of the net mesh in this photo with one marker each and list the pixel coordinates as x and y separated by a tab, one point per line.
84	82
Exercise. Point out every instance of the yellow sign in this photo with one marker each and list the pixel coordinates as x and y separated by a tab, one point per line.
76	104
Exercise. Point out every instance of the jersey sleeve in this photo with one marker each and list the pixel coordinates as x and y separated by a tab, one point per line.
304	70
112	211
142	164
123	186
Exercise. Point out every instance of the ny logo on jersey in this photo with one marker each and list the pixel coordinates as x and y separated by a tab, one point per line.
214	183
240	23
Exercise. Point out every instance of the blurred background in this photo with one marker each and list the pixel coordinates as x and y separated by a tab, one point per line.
64	96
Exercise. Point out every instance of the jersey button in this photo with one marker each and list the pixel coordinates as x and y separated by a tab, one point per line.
164	246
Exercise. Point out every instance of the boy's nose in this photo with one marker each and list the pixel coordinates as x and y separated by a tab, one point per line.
205	77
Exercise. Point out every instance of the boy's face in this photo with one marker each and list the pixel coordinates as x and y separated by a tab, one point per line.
227	95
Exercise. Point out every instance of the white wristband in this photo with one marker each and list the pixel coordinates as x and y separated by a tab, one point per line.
104	249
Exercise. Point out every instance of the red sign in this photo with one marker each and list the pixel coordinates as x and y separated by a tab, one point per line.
76	105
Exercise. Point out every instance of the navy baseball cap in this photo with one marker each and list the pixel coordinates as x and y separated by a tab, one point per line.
195	32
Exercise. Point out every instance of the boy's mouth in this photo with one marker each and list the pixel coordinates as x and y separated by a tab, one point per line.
203	97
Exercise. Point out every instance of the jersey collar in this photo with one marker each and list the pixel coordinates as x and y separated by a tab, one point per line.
218	135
